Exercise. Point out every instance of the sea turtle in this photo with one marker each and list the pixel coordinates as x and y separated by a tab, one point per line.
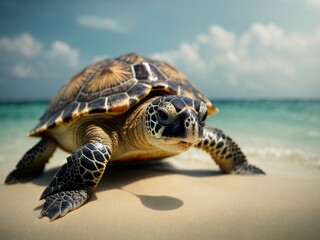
127	108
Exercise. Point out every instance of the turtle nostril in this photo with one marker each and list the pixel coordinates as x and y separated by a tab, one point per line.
187	123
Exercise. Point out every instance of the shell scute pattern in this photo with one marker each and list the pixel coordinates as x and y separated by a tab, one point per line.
131	58
97	106
118	103
148	71
141	71
114	86
109	75
68	92
124	87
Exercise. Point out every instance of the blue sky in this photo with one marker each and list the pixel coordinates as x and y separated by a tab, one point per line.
229	49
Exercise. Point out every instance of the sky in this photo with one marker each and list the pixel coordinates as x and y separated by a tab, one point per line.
244	49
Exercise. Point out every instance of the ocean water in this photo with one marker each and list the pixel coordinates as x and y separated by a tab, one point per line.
279	136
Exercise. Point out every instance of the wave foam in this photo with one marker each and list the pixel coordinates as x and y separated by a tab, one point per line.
272	154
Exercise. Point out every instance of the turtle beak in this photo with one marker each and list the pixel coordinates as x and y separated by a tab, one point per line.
187	129
193	129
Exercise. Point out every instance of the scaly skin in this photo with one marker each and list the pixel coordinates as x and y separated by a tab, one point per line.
226	153
75	181
33	161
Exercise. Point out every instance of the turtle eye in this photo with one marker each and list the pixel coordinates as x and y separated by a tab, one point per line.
166	114
203	113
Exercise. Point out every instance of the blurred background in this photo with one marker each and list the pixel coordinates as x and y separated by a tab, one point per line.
244	49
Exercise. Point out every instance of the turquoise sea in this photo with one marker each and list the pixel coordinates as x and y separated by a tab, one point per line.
276	135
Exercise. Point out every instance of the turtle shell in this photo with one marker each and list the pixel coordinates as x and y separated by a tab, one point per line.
113	86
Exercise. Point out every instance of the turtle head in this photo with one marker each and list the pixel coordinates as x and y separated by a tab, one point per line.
175	123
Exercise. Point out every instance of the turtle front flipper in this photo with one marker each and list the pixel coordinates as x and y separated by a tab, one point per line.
75	181
226	153
33	161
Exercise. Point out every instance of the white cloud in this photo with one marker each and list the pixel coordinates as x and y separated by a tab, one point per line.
271	35
24	57
24	44
61	52
25	62
263	57
221	37
103	23
187	55
313	3
23	71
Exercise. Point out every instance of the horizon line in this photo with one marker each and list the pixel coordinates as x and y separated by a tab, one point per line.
231	99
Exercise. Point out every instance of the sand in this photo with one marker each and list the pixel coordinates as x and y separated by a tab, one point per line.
172	199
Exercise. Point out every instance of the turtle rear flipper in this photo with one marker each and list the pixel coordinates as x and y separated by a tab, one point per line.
75	181
33	161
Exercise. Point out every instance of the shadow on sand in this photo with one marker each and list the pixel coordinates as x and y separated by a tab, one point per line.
118	175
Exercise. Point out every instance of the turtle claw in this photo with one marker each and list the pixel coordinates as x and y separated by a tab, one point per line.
17	176
247	169
14	177
59	204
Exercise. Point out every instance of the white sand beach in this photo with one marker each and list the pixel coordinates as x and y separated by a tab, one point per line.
174	199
